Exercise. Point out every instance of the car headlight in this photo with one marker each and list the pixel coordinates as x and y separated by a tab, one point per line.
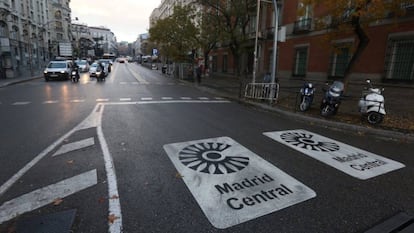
45	71
62	72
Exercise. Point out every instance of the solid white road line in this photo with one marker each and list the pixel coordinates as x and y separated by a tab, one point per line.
43	196
114	203
75	146
21	103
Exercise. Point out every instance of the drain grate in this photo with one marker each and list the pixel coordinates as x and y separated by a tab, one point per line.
400	223
51	223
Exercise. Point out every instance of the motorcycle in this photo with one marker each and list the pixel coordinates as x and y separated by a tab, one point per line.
332	99
75	76
306	96
371	104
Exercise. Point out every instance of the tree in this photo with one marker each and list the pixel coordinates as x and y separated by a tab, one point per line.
354	16
176	35
231	18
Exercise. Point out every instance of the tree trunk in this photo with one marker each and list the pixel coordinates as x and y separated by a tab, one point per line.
363	41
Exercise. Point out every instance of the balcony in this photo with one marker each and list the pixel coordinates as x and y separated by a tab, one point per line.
302	26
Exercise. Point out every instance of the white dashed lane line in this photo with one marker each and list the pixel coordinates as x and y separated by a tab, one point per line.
125	99
146	98
21	103
51	102
102	100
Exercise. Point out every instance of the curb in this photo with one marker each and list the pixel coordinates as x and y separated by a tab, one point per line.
20	81
356	129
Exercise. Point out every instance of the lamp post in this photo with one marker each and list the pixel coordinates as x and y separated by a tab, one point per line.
272	91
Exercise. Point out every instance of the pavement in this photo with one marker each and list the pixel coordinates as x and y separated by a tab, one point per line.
398	124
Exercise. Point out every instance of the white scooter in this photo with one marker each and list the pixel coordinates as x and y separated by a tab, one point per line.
371	104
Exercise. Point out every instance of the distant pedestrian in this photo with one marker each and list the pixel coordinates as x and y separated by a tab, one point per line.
198	73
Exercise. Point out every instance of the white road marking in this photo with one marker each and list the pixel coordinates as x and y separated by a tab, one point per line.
348	159
232	184
146	98
203	98
102	100
166	98
43	196
125	99
135	83
75	146
218	98
185	98
114	203
50	102
77	101
89	122
21	103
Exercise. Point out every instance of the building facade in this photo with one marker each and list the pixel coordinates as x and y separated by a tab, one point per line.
30	33
309	53
104	39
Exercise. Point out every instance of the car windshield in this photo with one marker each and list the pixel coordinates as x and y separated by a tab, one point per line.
81	63
57	65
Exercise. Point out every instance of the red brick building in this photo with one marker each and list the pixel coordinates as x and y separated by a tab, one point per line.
309	54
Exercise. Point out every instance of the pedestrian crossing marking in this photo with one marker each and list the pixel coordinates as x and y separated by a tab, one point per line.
353	161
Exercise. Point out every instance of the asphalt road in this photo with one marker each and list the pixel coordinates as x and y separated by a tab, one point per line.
141	152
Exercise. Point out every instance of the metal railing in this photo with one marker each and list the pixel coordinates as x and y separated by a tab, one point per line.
262	91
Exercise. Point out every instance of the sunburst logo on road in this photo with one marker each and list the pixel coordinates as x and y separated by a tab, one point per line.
211	158
305	141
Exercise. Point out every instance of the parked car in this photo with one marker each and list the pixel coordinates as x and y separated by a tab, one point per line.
95	71
83	65
57	70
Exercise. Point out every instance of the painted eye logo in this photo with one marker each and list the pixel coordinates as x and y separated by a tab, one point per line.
209	158
305	141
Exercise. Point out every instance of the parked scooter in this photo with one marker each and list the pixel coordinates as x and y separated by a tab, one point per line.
74	76
371	104
306	96
332	99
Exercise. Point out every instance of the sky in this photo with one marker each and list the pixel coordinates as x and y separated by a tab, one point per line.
125	18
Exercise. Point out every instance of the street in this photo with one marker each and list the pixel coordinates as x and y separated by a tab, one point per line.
142	152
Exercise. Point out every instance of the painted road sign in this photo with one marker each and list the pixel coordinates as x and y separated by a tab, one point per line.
353	161
232	184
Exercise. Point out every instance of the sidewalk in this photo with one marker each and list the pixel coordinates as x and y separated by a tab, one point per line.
24	77
399	103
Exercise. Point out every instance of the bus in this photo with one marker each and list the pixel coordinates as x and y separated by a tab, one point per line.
109	56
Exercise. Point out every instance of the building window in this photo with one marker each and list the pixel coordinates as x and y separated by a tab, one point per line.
3	29
300	64
225	63
340	58
400	59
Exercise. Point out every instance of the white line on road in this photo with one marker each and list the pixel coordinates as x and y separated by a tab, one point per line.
146	98
89	122
75	146
114	203
50	102
102	100
203	98
43	196
77	101
166	98
185	98
21	103
125	99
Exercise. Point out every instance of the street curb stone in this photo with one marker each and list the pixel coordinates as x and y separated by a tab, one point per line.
6	84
